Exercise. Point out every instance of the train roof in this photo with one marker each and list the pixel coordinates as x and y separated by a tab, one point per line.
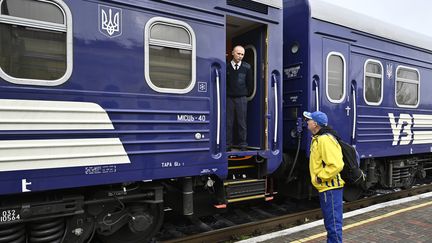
343	15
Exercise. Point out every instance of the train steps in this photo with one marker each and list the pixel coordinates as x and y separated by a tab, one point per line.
240	190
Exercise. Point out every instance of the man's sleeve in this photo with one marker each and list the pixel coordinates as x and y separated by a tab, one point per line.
332	157
250	81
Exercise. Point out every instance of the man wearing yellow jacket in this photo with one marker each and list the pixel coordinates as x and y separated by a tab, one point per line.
325	165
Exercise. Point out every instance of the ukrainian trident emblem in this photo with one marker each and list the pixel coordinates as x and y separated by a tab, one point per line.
110	21
389	71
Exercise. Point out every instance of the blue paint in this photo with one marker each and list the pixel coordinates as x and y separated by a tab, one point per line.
110	72
316	38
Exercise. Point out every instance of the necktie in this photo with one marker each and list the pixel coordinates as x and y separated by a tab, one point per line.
236	66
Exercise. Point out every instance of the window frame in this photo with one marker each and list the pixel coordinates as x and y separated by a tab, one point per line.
66	27
364	82
254	51
170	44
344	77
407	81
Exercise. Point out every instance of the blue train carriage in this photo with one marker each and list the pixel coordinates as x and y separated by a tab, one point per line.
112	111
370	77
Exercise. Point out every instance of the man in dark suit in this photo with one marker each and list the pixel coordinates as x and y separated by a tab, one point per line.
239	86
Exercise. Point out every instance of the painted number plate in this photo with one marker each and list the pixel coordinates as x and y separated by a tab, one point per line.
9	215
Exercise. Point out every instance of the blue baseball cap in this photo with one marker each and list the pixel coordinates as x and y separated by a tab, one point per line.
319	117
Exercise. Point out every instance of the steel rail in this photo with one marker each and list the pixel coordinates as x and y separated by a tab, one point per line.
290	220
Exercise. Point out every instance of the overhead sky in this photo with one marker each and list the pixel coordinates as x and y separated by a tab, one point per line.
415	15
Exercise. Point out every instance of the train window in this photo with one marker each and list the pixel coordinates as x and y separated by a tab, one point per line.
373	82
35	42
46	11
407	87
170	33
169	55
251	58
335	74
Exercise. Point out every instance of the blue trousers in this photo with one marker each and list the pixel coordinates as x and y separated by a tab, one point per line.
237	108
332	209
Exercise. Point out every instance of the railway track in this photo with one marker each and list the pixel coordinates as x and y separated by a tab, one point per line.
235	232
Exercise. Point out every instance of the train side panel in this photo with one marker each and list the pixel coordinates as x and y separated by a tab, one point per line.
139	132
116	114
372	87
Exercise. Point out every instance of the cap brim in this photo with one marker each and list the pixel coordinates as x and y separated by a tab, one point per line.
307	114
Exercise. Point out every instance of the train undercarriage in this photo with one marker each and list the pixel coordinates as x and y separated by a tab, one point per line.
133	212
128	212
117	213
400	172
381	173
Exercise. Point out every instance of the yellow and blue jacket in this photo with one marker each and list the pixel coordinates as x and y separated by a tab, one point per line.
325	163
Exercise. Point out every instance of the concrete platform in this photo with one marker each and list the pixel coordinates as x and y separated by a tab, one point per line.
403	220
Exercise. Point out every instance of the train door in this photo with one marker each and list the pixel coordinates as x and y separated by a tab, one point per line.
251	36
336	91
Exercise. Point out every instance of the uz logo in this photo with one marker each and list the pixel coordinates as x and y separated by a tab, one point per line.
110	21
401	129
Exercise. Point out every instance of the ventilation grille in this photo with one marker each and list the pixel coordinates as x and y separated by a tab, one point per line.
249	5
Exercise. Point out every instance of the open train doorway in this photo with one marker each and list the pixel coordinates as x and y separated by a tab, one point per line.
252	36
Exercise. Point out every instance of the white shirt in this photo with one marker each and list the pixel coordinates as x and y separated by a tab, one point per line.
233	64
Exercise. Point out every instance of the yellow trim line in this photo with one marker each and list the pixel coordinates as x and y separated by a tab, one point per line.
365	221
245	198
240	167
239	182
241	158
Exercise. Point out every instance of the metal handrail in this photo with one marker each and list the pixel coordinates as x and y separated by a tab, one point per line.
354	111
276	109
218	123
316	93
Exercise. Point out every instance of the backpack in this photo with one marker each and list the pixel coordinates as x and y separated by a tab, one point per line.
351	172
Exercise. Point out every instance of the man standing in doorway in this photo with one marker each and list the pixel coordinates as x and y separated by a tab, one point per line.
239	86
325	165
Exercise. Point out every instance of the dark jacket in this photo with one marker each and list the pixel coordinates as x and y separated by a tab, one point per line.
239	82
328	129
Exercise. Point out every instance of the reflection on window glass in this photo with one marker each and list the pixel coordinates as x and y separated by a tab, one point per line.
31	9
335	76
32	53
373	82
170	56
170	33
407	87
170	67
407	74
27	52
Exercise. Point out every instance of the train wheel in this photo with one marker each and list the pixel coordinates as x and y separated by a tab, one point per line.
352	193
409	182
145	221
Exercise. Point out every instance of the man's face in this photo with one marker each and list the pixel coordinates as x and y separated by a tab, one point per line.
238	54
312	125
